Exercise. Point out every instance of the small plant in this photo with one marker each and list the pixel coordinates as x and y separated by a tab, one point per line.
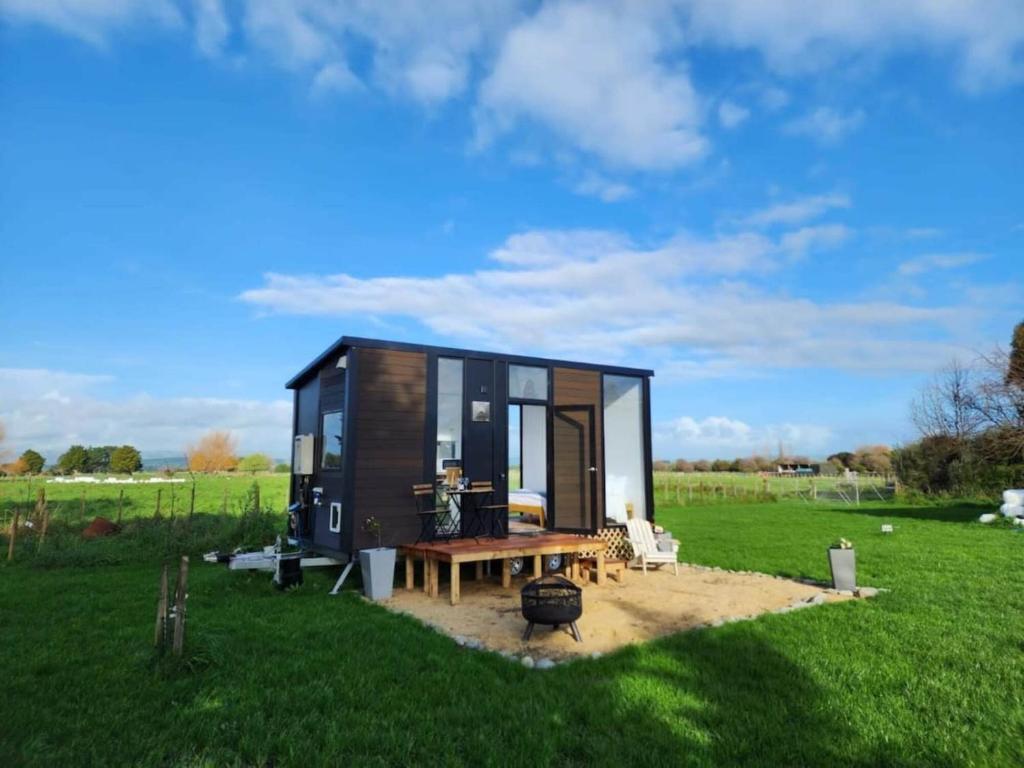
842	544
372	525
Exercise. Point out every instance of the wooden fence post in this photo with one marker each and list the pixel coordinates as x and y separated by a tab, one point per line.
120	505
160	633
224	502
81	507
159	493
46	524
172	502
180	598
14	535
192	500
256	489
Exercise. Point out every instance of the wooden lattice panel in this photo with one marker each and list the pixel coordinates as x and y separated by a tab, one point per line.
618	547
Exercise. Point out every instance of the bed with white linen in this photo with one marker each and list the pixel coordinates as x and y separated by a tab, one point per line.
526	502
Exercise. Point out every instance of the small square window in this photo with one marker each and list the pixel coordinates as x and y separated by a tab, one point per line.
527	382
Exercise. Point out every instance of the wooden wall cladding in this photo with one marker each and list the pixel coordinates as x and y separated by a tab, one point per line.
390	422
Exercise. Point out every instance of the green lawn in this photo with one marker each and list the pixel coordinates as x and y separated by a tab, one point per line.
928	674
214	493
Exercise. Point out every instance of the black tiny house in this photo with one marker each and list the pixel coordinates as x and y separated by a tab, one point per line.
371	418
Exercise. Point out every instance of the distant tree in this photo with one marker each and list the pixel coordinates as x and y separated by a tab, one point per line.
720	465
764	464
844	459
702	465
874	458
662	465
75	459
125	459
1015	366
747	465
99	458
215	452
282	468
33	461
255	462
682	465
16	467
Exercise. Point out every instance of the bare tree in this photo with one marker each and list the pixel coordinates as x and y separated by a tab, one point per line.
948	405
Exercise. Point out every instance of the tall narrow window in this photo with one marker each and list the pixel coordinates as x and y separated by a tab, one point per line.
331	440
449	410
625	482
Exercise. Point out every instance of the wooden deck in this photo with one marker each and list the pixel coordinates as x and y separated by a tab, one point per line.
483	550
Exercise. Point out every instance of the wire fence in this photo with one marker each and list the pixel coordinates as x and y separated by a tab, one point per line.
700	488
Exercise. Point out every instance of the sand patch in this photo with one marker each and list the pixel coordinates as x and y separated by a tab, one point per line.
640	609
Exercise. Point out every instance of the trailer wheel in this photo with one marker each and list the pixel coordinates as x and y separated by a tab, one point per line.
553	563
515	565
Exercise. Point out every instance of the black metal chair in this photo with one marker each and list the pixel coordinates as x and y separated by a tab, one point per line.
435	523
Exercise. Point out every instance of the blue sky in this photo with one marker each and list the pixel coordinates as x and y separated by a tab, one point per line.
793	216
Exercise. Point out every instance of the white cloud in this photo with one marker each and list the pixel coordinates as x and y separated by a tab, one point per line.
825	125
819	238
725	437
796	211
335	78
595	185
211	26
593	75
930	262
49	410
731	115
93	20
800	36
587	293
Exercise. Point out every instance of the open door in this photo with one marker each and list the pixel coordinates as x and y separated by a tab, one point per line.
574	472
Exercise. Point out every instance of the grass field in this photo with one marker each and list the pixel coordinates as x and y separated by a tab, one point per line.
214	494
930	673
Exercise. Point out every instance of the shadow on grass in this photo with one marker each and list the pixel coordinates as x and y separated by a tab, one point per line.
723	697
950	512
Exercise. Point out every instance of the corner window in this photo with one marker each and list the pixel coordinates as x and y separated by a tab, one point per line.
331	440
527	382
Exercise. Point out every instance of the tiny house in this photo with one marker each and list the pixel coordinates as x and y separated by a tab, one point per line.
372	418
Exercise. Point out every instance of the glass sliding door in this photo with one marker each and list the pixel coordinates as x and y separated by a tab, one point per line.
624	480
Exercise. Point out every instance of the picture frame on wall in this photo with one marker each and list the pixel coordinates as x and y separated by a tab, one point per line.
481	410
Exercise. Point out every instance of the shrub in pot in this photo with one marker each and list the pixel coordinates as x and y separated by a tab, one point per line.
377	564
843	563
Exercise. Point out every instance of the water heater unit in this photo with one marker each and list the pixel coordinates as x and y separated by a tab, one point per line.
302	456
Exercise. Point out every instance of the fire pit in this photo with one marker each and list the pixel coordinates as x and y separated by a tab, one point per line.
553	601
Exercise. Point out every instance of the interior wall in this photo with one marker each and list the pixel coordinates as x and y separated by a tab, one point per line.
534	450
624	447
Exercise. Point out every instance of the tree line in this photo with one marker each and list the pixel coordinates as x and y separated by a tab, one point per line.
215	452
970	422
871	458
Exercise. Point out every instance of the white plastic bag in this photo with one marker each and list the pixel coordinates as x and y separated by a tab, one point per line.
1012	510
988	517
1014	497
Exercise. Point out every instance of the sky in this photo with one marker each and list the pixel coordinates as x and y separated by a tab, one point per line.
794	212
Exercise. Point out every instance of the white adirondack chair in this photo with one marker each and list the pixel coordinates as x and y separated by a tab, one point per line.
645	546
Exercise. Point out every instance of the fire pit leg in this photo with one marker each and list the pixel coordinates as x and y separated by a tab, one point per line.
528	632
576	632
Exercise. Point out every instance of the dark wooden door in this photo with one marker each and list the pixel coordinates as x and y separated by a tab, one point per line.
574	475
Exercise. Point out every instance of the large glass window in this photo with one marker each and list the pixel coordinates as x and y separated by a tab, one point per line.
625	482
449	410
331	439
527	382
